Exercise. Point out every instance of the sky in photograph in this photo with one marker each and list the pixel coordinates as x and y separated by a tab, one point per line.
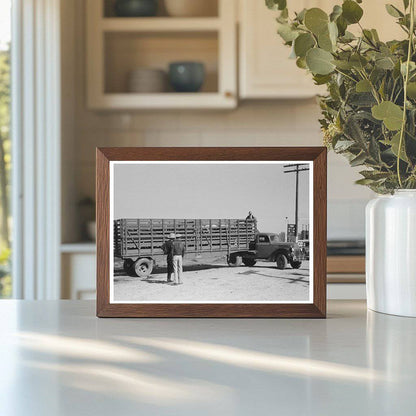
210	191
5	21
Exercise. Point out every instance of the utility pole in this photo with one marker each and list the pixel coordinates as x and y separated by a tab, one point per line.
296	168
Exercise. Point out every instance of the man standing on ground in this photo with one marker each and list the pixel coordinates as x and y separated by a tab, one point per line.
178	251
168	250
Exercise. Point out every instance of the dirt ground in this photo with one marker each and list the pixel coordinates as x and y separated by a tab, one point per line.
217	281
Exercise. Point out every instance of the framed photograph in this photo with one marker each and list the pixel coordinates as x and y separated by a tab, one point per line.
211	232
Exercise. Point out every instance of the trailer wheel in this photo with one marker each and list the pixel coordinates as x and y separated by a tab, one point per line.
296	264
143	267
234	261
281	261
249	262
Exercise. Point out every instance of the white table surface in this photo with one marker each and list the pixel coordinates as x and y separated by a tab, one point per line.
56	358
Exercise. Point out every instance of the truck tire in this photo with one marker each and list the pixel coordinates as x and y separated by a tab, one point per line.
281	261
143	267
296	264
234	261
249	262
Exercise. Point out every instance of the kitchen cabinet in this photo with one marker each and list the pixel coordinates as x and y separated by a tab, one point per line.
265	70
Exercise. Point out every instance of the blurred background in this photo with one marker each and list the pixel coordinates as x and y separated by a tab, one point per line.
144	73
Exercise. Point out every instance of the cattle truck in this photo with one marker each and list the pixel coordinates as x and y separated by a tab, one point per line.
138	242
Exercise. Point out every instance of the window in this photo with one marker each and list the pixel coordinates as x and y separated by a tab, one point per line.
263	239
5	159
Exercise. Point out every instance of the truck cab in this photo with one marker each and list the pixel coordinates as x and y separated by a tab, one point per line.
268	247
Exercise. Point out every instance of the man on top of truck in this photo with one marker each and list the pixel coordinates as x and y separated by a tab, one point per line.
251	217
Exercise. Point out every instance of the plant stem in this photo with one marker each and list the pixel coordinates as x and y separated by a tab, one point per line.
406	80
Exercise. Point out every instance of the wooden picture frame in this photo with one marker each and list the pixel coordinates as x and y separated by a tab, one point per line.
315	309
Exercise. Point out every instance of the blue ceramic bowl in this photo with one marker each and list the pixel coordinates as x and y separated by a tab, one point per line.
136	8
186	76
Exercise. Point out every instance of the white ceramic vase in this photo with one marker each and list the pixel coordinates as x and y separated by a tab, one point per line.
391	253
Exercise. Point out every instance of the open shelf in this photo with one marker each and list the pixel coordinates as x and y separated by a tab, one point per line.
116	46
160	24
211	9
127	51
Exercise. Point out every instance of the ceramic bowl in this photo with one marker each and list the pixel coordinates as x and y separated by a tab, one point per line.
147	80
186	76
92	230
136	8
191	8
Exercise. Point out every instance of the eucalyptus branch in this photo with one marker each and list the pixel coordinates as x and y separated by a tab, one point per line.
406	80
346	75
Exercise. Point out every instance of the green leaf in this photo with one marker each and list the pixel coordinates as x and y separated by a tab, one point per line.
358	61
276	4
412	67
343	145
321	79
336	12
351	11
374	175
303	43
385	63
394	144
393	11
300	17
411	90
342	25
363	86
364	181
316	20
348	37
343	65
325	42
374	150
375	35
286	32
301	63
319	61
391	114
358	160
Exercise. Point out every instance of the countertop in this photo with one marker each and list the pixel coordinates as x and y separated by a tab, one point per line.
57	358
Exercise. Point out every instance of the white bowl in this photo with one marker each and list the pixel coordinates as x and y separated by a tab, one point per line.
145	80
191	8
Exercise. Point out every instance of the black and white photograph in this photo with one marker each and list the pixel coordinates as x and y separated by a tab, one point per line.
211	232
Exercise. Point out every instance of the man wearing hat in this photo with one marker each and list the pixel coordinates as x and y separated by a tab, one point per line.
168	250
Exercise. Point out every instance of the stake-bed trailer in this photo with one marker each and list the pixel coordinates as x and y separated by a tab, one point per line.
139	241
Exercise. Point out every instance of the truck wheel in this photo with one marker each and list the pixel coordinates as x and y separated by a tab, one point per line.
143	267
234	261
281	261
296	264
249	262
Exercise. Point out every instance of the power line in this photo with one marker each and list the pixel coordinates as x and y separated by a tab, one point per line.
299	167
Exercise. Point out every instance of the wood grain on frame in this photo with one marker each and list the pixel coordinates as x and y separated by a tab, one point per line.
317	309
